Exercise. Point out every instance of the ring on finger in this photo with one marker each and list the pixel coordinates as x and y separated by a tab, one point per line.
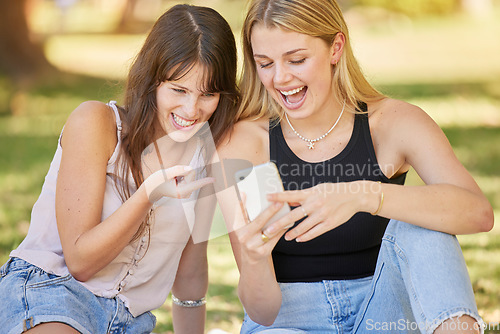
264	237
304	211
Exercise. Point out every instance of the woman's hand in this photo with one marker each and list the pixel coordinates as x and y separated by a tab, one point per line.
258	289
176	182
256	246
327	206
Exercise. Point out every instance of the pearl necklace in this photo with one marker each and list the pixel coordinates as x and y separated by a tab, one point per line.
310	142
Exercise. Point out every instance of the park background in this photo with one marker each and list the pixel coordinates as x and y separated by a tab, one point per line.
443	55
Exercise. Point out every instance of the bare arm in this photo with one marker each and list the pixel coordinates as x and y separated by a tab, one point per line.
257	289
451	201
90	244
403	136
88	142
191	281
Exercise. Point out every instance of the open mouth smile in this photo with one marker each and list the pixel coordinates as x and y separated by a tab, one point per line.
294	98
182	122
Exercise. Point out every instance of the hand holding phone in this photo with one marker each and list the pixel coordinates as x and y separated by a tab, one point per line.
257	182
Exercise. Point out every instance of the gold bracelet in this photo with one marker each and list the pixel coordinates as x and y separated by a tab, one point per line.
380	205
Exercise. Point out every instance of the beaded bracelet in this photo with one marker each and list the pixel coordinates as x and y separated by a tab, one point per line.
188	303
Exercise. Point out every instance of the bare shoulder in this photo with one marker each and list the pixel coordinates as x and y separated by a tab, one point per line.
249	140
401	130
397	113
92	112
398	120
92	121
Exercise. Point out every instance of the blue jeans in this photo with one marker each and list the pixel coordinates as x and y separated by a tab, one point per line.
30	296
420	281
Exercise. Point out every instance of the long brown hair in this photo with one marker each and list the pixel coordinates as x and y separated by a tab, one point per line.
182	37
316	18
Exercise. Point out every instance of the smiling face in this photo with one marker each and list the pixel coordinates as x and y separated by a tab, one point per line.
183	107
296	69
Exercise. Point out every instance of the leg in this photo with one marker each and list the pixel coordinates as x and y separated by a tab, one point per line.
421	281
40	302
460	325
326	307
52	327
296	315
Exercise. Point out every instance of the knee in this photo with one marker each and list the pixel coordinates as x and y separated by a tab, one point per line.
459	325
405	234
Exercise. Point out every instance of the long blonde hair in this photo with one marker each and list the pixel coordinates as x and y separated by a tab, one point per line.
316	18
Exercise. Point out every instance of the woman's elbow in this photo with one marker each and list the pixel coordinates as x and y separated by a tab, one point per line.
486	218
268	321
79	270
80	275
479	217
191	286
264	316
263	319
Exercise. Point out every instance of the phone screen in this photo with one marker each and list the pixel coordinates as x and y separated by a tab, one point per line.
257	182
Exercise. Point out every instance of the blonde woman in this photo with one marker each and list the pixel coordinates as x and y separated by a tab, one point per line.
349	264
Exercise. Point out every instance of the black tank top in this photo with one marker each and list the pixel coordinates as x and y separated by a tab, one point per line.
349	251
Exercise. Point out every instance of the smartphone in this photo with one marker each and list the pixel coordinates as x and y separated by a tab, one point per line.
256	182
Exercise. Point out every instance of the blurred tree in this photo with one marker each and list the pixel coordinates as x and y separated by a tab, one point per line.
478	7
131	21
21	59
128	18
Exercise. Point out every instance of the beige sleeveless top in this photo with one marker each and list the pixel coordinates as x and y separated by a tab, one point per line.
141	279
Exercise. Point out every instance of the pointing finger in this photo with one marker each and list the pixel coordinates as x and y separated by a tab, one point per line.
177	171
185	190
290	196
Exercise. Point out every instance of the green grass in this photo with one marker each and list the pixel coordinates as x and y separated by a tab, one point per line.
482	254
449	67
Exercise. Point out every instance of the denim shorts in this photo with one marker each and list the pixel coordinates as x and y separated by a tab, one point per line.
30	296
420	281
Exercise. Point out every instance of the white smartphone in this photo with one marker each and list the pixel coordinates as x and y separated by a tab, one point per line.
256	182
